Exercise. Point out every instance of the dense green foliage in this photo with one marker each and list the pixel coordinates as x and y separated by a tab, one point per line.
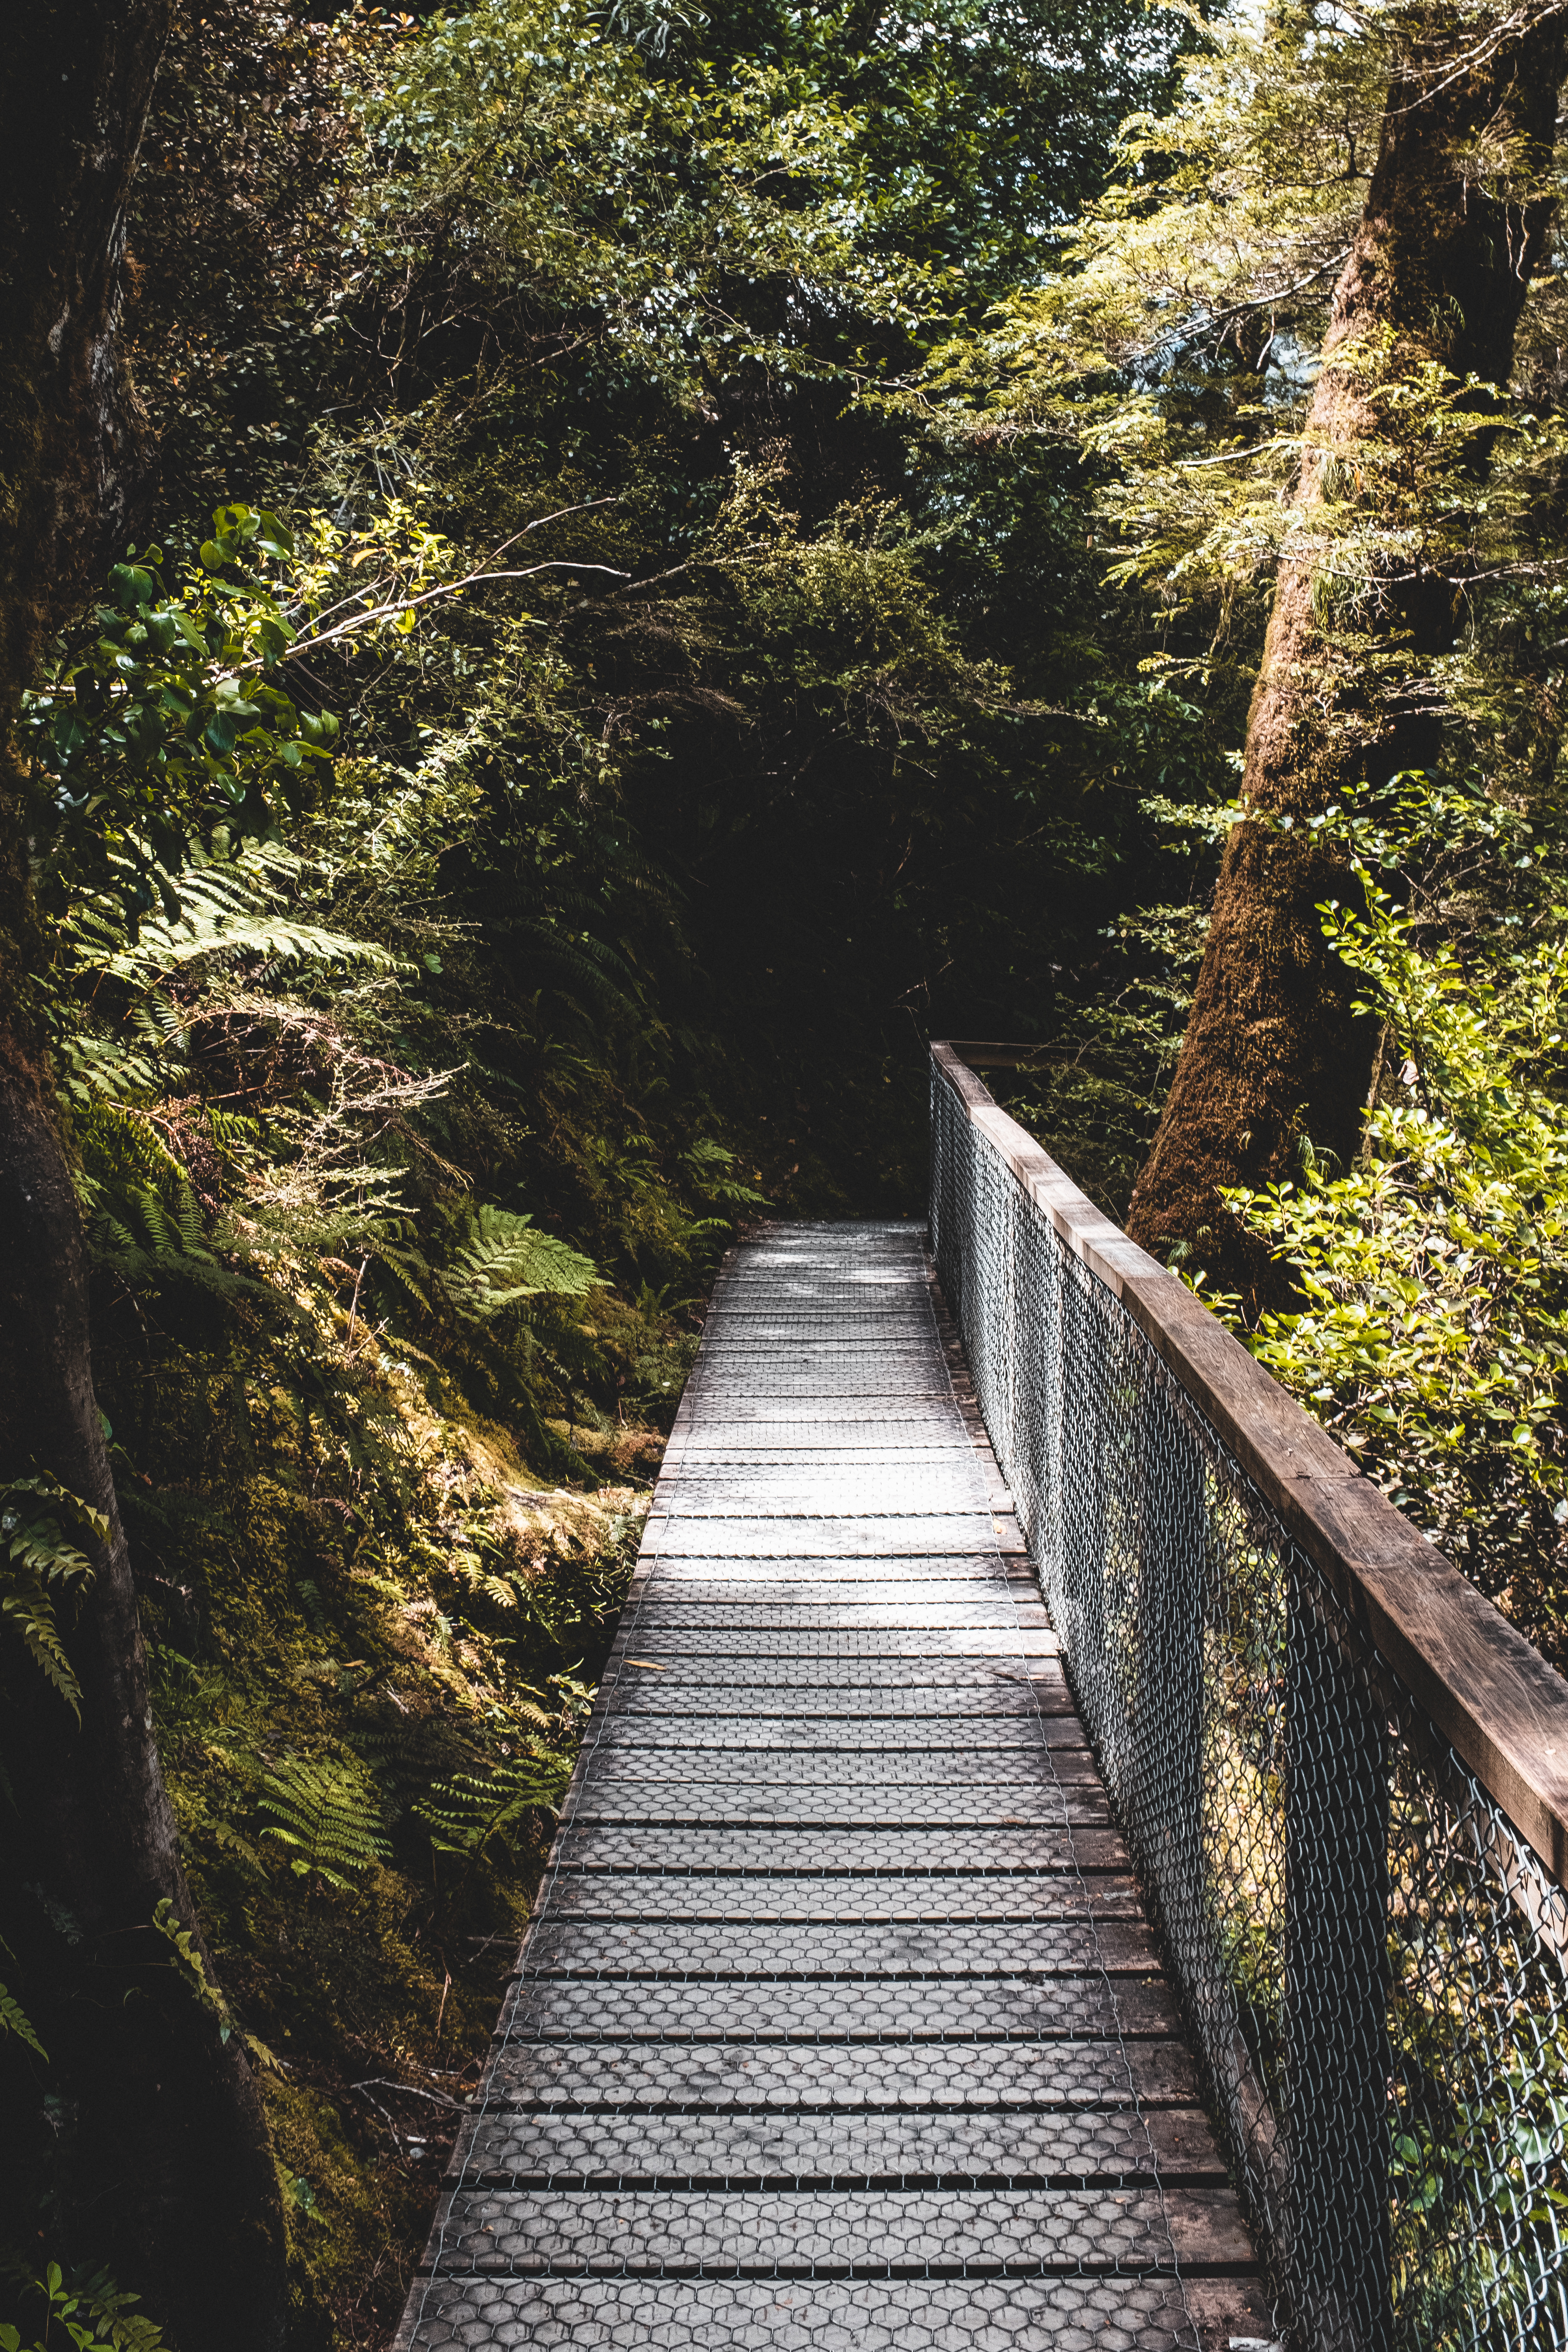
572	739
1178	350
694	552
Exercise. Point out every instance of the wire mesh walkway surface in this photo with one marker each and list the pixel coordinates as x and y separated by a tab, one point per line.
838	2023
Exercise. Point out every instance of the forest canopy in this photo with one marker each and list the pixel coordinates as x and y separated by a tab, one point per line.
660	557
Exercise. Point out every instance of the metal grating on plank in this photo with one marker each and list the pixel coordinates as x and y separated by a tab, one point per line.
839	2024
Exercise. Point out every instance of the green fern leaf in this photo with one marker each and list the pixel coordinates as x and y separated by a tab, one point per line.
136	1267
225	913
227	1837
272	937
193	1238
328	1817
108	2308
14	2018
188	1961
31	1614
464	1814
34	1555
403	1264
121	1149
502	1260
585	963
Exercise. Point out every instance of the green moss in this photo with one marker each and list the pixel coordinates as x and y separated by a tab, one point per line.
354	2213
436	1610
368	2007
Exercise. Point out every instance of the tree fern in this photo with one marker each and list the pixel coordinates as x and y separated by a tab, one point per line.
327	1816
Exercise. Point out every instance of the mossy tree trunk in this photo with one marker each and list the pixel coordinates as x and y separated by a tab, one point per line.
142	2145
1437	273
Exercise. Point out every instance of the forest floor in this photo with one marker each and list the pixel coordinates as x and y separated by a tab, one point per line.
368	1993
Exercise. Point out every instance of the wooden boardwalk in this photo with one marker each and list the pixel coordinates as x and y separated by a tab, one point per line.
839	2024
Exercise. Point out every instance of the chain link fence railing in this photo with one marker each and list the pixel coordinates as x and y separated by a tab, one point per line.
1372	1959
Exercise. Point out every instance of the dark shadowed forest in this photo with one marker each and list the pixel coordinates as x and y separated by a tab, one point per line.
578	581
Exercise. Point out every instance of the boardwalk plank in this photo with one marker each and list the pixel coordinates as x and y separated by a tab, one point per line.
840	2024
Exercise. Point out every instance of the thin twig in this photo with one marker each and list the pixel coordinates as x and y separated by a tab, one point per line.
408	2090
447	588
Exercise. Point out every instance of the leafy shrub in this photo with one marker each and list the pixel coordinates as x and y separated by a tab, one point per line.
87	2312
1433	1339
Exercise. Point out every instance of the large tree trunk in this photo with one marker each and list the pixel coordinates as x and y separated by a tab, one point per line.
1273	1053
143	2146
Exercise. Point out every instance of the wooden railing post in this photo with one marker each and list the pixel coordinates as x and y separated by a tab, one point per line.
1337	2253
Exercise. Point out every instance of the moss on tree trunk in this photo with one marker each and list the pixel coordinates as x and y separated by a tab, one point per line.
1437	273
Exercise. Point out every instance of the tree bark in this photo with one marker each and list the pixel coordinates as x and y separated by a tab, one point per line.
143	2146
1273	1053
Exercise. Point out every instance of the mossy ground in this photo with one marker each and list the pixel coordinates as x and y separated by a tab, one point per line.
290	1624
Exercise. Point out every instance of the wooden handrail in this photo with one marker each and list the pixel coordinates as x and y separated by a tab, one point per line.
997	1054
1490	1694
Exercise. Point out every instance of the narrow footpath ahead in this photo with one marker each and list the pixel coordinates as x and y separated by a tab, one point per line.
839	2024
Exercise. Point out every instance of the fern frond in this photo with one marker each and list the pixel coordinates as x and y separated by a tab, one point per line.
502	1260
275	938
596	969
403	1264
229	910
14	2018
234	1134
225	1835
33	1555
463	1814
31	1613
192	1239
121	1146
162	1235
327	1815
139	1267
187	1960
503	1589
500	1591
36	1544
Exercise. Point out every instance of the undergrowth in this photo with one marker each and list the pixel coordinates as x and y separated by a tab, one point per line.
385	1339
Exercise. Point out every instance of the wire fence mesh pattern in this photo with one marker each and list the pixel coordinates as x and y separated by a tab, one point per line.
1369	1957
840	2024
